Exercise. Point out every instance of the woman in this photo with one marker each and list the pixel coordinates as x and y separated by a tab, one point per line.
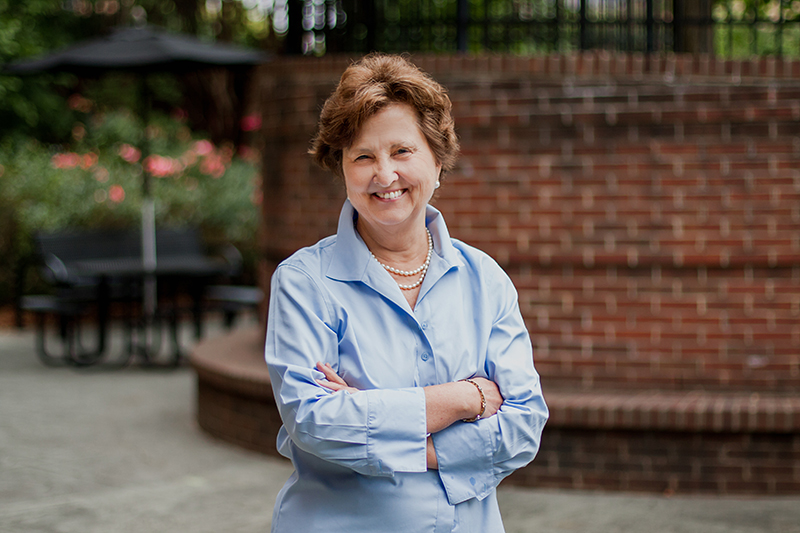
399	360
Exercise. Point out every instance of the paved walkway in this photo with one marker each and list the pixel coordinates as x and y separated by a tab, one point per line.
119	451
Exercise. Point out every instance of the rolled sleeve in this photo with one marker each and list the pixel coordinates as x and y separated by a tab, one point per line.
373	432
465	453
474	457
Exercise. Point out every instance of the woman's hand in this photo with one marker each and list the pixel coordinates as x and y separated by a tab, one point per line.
492	395
332	380
448	403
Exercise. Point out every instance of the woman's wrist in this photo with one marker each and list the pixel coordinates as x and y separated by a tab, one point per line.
482	409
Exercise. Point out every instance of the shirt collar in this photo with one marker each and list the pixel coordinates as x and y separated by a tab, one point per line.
351	257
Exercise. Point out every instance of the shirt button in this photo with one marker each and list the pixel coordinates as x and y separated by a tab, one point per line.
425	356
424	325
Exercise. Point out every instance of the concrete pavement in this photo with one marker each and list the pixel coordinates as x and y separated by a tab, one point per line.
118	451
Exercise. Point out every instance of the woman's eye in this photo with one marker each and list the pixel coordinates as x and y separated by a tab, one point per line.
402	151
362	158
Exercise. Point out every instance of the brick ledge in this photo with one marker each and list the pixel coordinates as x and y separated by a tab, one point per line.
690	411
235	362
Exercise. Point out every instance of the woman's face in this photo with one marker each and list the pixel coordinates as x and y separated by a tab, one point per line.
390	171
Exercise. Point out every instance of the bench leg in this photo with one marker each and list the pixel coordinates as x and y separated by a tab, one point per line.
45	356
230	317
78	355
72	351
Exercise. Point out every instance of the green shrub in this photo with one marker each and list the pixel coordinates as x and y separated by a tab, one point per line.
96	181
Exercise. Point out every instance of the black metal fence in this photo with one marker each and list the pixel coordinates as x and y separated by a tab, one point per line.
727	28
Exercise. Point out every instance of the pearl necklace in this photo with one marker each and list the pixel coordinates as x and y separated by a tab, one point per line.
423	269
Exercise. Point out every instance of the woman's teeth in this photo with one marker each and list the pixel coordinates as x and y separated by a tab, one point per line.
389	195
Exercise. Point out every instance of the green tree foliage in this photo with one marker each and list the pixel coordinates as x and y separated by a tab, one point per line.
744	28
26	29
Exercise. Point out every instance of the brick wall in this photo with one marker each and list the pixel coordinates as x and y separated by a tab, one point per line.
648	210
665	462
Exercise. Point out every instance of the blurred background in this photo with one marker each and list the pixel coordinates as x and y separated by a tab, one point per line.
633	164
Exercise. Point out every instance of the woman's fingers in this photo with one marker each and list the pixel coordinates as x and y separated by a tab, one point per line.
330	385
491	393
330	375
332	380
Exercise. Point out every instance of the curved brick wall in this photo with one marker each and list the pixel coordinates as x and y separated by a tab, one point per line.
234	395
647	210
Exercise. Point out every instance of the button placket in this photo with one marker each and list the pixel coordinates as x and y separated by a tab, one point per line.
427	361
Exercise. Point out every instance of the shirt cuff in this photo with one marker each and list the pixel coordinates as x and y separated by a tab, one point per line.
396	430
465	452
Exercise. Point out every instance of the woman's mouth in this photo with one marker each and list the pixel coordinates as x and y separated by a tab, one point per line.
390	195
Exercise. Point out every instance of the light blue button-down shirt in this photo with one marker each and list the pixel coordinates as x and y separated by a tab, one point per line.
360	459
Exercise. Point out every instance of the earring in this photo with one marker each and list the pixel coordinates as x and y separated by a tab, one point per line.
437	184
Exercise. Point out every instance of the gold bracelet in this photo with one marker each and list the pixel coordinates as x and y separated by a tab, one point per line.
483	401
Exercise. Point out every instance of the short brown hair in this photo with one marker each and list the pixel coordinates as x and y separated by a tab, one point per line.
371	84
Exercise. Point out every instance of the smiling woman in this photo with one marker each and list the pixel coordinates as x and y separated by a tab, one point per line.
390	174
398	357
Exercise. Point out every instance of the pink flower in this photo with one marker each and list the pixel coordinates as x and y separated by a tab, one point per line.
248	153
188	158
213	165
88	160
116	194
179	114
65	160
101	174
161	167
79	103
227	151
251	123
78	132
177	166
203	147
129	153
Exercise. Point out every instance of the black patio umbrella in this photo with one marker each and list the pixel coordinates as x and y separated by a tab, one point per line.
141	50
145	49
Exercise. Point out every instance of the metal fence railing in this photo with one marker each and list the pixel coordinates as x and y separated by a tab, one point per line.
727	28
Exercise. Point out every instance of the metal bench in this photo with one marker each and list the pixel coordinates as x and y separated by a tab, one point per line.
94	269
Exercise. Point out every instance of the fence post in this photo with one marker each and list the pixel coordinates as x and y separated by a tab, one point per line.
692	27
462	29
584	29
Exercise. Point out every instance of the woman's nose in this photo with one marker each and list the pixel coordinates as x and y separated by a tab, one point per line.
385	174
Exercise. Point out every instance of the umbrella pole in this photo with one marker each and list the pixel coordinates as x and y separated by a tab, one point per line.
149	254
149	261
